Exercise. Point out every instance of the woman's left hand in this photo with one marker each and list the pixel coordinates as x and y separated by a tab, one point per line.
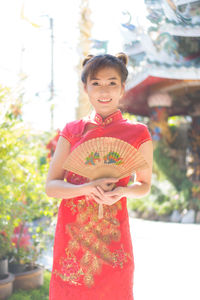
111	197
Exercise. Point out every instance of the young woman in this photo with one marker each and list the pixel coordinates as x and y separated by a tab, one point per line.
93	258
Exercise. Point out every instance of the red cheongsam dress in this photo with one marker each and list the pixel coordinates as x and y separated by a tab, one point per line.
93	258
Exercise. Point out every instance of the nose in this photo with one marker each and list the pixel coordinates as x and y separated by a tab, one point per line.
104	90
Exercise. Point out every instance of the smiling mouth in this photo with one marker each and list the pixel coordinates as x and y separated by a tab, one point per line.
104	100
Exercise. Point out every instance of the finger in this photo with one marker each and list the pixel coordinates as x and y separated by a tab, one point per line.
109	194
109	200
97	193
100	190
115	199
112	200
100	194
101	201
96	198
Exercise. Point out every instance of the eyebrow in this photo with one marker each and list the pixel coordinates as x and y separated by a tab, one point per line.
112	78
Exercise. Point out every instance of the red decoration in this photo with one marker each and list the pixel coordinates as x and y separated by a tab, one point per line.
52	145
25	238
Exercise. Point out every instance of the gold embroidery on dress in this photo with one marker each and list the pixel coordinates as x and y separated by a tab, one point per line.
70	270
92	236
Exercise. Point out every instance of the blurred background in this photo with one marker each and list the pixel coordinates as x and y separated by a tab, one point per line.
43	44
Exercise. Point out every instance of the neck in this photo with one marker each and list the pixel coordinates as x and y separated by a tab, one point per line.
105	115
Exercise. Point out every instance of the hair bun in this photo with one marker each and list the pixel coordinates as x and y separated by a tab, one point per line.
123	57
87	58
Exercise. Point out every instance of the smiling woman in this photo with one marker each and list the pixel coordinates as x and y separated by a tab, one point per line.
104	81
93	258
105	91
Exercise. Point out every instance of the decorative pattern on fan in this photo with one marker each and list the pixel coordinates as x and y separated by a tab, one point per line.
105	157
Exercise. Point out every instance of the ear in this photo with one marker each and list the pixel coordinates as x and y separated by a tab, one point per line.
85	87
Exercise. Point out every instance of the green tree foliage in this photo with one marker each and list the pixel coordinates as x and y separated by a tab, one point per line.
167	172
23	169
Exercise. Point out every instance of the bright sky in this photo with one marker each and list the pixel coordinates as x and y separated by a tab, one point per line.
25	48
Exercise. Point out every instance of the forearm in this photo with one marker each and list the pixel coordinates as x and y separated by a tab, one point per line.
61	189
136	190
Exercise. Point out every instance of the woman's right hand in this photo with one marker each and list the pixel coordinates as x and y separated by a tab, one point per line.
96	188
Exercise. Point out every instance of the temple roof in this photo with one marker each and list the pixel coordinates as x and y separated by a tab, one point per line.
164	57
181	29
178	12
186	71
185	95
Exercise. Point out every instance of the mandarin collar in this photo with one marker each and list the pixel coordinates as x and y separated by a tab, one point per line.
97	118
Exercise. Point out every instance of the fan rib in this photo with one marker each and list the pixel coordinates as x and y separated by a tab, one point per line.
121	158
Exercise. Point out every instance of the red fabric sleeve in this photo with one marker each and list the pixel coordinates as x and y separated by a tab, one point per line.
66	133
73	130
144	136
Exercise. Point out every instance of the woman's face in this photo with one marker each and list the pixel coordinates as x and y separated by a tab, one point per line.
104	91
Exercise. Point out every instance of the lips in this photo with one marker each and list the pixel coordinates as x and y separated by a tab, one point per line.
104	100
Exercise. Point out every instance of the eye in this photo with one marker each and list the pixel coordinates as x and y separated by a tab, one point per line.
95	83
112	83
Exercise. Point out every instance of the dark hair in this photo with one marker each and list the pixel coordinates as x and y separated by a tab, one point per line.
92	64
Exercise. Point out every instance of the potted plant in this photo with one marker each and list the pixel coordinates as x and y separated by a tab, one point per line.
6	285
28	202
26	248
23	199
4	251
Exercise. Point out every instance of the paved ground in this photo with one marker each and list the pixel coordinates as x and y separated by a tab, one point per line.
167	260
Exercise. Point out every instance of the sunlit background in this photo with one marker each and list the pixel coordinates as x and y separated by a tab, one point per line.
40	57
26	57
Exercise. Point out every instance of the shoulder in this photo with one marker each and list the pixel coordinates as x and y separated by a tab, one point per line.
141	133
137	126
74	126
72	130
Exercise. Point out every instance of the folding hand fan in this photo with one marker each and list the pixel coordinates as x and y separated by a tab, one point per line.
105	157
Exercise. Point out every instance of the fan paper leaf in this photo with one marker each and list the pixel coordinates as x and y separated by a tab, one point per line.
105	157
